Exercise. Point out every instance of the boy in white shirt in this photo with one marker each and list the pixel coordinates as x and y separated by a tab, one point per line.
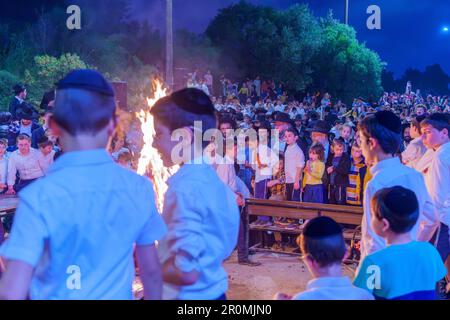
47	154
75	230
435	132
380	140
200	210
294	162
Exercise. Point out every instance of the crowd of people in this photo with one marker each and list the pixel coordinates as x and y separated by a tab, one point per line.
27	145
360	155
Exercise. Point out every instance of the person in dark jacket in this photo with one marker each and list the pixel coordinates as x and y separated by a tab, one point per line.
26	114
337	169
20	94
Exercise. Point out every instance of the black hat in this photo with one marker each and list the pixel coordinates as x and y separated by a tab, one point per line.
389	120
322	127
85	79
298	118
18	88
26	112
321	227
282	117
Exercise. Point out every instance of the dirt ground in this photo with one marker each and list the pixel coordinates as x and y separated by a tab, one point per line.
278	273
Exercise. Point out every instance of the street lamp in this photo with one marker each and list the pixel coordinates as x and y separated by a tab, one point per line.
346	11
169	44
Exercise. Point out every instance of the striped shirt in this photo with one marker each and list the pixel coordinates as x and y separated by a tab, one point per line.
354	188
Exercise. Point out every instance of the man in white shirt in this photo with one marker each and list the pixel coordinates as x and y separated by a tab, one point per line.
435	130
380	140
24	161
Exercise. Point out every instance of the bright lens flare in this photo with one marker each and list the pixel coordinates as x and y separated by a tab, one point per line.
150	162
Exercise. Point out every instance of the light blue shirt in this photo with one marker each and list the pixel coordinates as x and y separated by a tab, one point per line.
83	219
202	215
332	288
402	272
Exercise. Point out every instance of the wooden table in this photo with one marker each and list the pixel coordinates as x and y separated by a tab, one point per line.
346	215
8	205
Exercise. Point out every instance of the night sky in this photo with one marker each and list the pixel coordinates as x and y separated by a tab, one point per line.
411	35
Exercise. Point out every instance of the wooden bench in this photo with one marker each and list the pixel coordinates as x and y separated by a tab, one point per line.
346	215
8	205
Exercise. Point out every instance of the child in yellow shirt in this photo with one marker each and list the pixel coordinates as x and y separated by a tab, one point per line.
313	188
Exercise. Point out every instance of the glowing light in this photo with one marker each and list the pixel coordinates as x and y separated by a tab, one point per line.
445	29
150	162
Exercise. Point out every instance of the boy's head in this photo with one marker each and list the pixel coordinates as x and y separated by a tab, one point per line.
380	133
394	210
84	106
179	111
346	131
322	244
356	152
45	145
291	136
415	131
435	130
317	152
338	147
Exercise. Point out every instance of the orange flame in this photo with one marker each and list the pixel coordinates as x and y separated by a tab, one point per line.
150	158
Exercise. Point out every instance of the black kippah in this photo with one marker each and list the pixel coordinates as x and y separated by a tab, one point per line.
193	101
389	120
321	227
89	80
402	201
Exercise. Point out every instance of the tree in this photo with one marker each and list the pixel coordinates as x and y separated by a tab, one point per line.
255	40
344	67
47	70
7	81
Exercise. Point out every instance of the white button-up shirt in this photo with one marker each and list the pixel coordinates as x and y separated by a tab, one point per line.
46	161
28	166
438	182
389	173
293	159
203	220
333	288
414	152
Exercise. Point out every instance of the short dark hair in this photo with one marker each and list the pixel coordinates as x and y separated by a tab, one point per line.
78	110
326	251
439	121
45	143
388	140
415	122
23	136
293	130
182	108
397	205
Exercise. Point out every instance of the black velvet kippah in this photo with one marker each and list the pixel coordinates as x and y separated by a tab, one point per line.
389	120
89	80
321	227
402	201
194	101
